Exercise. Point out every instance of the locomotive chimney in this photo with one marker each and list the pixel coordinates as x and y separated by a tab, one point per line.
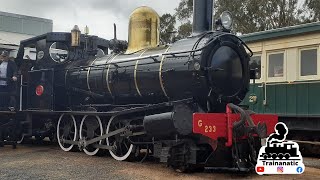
202	16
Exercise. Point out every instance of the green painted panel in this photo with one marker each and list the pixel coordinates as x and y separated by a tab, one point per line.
253	107
302	98
291	99
280	99
287	99
260	97
281	32
314	98
271	99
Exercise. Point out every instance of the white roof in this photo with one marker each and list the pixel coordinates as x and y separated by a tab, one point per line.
9	38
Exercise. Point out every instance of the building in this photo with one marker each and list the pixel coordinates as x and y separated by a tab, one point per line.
15	27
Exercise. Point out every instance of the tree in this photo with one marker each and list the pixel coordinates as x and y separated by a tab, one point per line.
314	9
167	26
256	15
184	30
282	13
252	15
184	10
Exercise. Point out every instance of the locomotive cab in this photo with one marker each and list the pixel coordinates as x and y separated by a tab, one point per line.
56	48
40	57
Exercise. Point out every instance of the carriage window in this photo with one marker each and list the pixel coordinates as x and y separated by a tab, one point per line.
255	63
59	52
275	64
308	62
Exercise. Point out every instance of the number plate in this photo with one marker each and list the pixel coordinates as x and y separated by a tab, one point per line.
211	125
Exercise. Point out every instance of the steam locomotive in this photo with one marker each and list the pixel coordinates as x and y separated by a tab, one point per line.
176	102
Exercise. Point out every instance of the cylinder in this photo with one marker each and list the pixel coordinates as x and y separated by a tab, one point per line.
176	122
159	125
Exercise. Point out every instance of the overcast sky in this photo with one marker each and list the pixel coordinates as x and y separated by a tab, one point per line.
99	15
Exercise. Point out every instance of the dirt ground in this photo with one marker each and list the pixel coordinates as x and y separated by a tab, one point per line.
49	162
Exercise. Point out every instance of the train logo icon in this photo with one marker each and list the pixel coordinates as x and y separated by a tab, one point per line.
279	156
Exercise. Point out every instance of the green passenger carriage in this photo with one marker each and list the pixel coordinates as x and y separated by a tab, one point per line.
287	63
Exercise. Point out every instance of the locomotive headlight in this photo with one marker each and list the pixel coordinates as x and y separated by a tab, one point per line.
226	20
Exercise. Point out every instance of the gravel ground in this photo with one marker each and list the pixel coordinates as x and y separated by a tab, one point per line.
49	162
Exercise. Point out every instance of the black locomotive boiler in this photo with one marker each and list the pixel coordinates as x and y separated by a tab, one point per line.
168	101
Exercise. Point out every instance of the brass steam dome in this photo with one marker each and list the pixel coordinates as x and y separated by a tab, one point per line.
143	31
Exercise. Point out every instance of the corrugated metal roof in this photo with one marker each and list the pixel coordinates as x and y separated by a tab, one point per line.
22	24
282	32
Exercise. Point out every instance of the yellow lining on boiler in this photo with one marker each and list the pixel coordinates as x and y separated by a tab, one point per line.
88	72
160	75
107	76
135	73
